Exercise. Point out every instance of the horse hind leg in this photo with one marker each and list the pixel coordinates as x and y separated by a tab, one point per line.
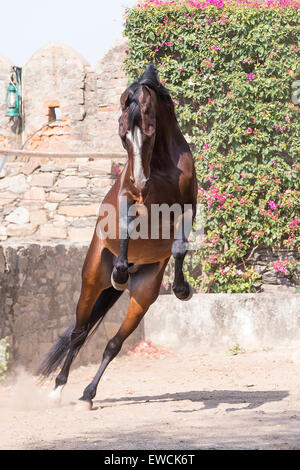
105	301
77	340
140	301
95	300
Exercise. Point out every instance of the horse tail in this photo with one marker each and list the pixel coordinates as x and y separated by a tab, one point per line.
59	350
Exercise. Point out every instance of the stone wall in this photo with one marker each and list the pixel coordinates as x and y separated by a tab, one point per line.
222	321
39	290
53	200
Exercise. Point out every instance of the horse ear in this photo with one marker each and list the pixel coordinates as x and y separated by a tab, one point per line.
124	97
147	107
123	124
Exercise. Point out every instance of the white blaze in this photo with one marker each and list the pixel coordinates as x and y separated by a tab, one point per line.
135	138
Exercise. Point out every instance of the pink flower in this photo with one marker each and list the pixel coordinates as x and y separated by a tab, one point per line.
251	76
283	128
276	126
273	205
294	222
250	129
181	69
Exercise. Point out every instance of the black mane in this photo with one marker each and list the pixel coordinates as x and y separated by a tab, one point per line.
150	79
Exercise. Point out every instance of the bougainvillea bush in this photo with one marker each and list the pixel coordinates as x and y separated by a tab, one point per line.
232	68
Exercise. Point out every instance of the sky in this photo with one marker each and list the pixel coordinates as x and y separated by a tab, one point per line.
89	26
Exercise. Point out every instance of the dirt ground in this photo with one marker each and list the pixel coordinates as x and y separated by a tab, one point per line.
184	400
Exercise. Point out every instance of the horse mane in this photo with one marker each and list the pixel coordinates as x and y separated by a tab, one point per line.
150	79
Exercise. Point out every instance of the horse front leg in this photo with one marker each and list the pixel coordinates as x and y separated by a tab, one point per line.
120	274
181	287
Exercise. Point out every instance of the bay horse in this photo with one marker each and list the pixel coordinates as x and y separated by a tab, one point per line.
159	170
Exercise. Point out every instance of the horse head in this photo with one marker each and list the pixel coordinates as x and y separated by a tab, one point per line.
138	123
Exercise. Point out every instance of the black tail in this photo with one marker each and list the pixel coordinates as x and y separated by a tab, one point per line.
60	348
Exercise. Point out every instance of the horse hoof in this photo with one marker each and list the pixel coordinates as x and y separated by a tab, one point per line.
117	285
190	295
185	297
55	395
84	405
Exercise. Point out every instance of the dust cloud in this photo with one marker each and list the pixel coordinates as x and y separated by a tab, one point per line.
25	393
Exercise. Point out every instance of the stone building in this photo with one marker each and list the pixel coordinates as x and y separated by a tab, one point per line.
67	104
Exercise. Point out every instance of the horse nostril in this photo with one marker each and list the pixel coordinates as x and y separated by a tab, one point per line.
132	180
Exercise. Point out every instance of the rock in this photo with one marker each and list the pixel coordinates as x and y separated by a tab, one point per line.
98	167
48	231
51	206
73	182
79	211
59	220
3	234
81	235
43	179
20	230
56	197
34	194
84	222
19	216
15	184
38	217
29	168
6	198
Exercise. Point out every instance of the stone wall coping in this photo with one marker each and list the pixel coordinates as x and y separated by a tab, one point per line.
33	154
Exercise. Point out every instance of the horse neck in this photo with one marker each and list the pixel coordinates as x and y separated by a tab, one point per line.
168	136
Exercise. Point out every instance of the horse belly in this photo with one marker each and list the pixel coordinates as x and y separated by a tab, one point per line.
142	251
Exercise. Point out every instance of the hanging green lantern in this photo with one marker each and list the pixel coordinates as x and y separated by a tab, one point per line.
12	100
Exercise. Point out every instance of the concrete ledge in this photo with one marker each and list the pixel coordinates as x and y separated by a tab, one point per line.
222	320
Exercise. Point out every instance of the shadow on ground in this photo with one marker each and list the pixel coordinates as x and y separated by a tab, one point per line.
248	428
210	399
